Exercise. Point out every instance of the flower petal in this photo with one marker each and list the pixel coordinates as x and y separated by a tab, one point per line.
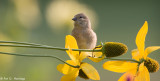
143	74
71	44
74	57
129	75
71	76
60	67
83	55
119	66
90	71
64	68
151	49
95	56
140	39
136	55
97	59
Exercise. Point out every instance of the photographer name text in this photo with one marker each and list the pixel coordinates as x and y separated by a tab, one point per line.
12	78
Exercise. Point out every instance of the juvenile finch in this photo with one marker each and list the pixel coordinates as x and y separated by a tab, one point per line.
86	38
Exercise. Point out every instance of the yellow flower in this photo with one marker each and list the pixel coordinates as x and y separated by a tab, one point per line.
85	70
135	71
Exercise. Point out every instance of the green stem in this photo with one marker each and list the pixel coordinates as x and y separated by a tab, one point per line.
34	55
123	59
24	43
51	47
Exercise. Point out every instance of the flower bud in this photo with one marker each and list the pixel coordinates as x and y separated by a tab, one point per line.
113	49
152	65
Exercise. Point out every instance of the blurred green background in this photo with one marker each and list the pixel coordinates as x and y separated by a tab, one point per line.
49	21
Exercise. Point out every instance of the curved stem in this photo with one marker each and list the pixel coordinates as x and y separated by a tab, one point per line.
123	59
51	47
34	55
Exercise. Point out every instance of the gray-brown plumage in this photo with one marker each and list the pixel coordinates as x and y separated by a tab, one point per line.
86	38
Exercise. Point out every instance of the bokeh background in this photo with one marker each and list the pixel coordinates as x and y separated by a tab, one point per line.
49	21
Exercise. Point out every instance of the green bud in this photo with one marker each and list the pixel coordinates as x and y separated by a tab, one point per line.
152	65
82	74
113	49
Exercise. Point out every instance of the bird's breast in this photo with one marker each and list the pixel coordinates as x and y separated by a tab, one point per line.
86	39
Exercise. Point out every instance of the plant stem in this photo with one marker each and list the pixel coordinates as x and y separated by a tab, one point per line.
24	43
51	47
35	55
123	59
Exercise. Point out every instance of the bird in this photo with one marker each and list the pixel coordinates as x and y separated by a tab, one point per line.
83	33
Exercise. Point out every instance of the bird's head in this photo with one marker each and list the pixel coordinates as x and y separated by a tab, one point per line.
81	20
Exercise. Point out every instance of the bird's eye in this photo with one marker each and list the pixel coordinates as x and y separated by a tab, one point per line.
80	17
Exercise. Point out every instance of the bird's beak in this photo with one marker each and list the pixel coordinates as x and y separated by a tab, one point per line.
74	19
